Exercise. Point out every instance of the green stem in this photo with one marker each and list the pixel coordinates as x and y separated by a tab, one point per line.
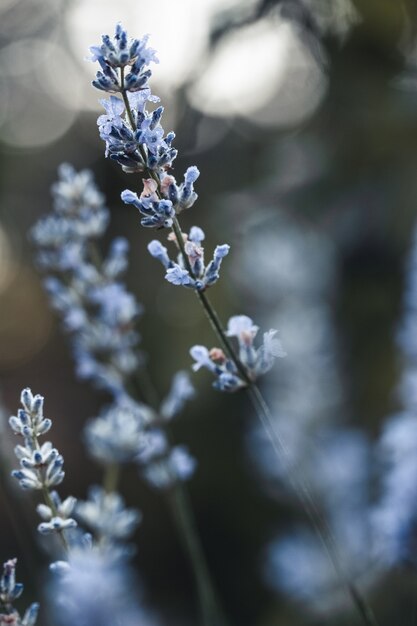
181	509
111	477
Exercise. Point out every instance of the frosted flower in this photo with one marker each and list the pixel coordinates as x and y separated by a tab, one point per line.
181	391
158	213
41	465
256	361
144	147
106	515
96	309
203	276
119	52
93	588
182	196
163	472
395	515
118	434
10	590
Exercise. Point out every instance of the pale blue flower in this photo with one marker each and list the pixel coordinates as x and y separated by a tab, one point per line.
10	591
158	213
117	435
165	471
105	514
41	465
256	361
159	252
202	358
94	588
119	52
95	307
177	274
181	391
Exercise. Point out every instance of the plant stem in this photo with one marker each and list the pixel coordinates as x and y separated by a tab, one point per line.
184	519
181	509
111	477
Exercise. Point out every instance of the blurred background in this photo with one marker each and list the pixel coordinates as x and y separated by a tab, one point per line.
302	118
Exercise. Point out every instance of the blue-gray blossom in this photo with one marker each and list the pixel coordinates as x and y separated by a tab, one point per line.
106	515
10	590
157	213
117	53
163	472
41	465
86	290
202	275
256	361
181	391
182	196
117	435
92	588
130	432
143	147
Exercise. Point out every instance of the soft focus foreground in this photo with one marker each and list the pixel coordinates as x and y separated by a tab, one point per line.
301	118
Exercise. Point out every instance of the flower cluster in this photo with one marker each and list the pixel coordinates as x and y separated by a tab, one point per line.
136	140
10	590
41	466
130	432
105	514
79	216
159	213
118	433
56	514
201	276
133	135
256	361
117	53
96	309
91	588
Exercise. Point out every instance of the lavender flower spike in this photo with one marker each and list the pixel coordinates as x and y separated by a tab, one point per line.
256	361
10	590
117	53
106	515
41	466
85	289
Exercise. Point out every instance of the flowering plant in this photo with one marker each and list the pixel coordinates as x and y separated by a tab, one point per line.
90	541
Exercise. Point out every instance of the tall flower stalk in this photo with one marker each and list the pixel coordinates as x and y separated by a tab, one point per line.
135	139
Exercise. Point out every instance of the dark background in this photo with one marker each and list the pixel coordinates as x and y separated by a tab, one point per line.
362	130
